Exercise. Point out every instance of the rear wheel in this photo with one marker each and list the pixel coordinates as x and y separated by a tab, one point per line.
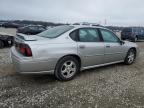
130	58
67	68
1	44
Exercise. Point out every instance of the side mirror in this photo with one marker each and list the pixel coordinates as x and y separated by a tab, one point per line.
122	42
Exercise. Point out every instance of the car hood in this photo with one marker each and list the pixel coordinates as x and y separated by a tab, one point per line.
130	44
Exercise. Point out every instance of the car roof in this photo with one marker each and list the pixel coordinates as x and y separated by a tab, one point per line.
89	26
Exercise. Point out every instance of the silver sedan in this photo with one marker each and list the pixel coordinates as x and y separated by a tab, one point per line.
66	50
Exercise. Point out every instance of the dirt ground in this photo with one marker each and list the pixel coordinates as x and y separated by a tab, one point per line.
11	31
114	86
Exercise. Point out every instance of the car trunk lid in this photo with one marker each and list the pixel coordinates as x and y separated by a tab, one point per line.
26	37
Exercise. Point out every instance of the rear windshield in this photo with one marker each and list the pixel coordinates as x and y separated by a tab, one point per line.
55	31
127	30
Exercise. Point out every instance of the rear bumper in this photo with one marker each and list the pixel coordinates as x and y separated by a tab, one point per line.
26	65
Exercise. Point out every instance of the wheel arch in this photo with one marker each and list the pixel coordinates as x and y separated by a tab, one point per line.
133	49
72	55
56	68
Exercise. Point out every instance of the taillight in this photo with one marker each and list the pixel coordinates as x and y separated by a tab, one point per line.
28	51
24	49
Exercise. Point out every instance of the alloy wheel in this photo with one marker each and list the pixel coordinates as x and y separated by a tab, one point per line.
131	57
68	69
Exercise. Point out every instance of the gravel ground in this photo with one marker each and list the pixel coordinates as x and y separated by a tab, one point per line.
115	86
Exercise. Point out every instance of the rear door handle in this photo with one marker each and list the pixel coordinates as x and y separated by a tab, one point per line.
81	46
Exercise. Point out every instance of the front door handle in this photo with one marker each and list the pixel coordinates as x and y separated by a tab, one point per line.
81	46
107	46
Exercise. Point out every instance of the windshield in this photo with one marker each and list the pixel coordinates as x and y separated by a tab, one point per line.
55	32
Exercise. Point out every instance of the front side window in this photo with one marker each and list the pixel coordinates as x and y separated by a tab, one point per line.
109	36
88	35
55	31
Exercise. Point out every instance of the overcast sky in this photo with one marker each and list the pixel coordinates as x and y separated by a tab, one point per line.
115	12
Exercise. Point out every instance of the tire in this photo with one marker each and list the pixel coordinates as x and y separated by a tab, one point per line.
1	44
130	58
67	68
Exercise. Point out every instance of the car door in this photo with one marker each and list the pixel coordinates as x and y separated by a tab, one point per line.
90	47
113	47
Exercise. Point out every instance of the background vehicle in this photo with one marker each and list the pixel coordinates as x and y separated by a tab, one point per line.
65	50
6	39
132	33
31	29
10	25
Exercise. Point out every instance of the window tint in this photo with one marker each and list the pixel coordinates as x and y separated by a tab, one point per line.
88	35
109	36
55	31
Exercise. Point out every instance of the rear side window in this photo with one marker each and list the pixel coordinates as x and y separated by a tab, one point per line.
88	35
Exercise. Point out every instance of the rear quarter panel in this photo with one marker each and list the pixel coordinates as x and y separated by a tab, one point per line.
52	50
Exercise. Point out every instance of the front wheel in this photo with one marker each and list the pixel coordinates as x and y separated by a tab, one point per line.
67	68
130	58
